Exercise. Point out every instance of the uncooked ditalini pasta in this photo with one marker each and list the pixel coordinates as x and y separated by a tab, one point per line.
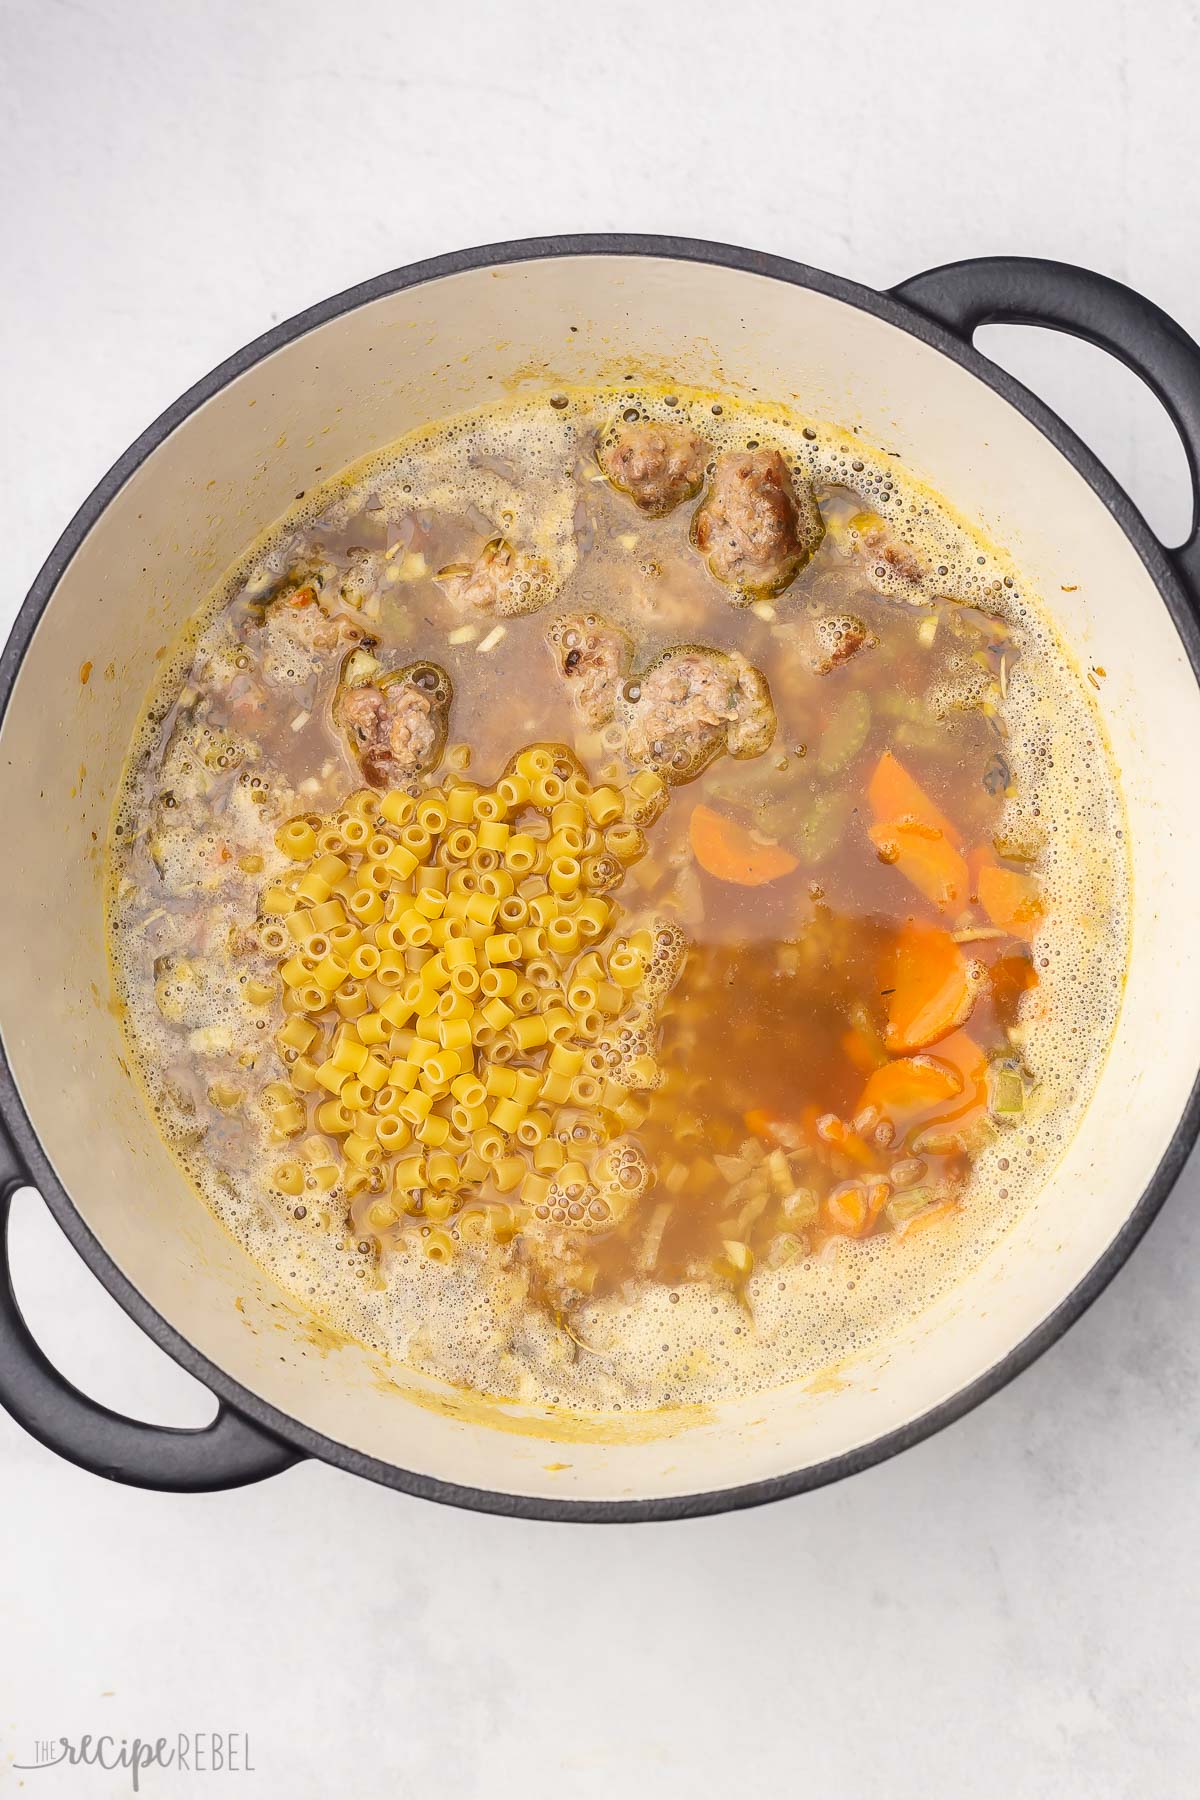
443	1069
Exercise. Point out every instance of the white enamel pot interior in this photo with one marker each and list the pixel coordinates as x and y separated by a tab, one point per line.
342	382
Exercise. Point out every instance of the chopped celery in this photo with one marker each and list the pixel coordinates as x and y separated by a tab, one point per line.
846	732
1008	1092
785	1248
801	1207
906	1206
820	832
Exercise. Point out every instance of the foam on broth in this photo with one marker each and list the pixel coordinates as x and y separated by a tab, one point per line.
469	1322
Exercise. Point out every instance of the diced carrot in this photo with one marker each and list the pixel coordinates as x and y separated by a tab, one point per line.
927	858
775	1128
878	1195
810	1112
843	1137
911	1085
759	1122
727	850
858	1150
1011	900
929	987
846	1211
896	798
931	1215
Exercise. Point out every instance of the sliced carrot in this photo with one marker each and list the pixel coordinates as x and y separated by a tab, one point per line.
911	1085
1011	976
982	857
897	798
945	1086
860	1052
926	857
912	832
929	987
727	850
1010	899
964	1055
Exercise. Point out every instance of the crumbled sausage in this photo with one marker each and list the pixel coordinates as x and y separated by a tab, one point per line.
396	727
301	634
752	726
593	658
884	554
365	578
756	527
181	990
656	465
834	640
694	703
963	686
502	580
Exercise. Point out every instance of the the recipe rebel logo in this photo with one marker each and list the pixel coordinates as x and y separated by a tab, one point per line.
189	1752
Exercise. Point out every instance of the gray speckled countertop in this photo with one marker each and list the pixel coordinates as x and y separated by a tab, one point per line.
1009	1610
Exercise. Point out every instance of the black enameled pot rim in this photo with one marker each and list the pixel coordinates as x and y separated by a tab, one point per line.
903	313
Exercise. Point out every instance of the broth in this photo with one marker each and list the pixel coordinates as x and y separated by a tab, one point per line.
783	743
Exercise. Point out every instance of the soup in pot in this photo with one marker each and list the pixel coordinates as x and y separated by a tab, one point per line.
619	898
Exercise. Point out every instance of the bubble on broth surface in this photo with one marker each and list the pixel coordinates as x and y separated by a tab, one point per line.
666	957
469	1321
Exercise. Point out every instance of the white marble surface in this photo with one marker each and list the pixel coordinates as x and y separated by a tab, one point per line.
1009	1610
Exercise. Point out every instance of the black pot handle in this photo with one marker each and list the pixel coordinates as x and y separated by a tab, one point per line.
228	1453
1025	290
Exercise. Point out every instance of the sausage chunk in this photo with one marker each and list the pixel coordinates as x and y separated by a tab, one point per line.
834	639
656	465
692	704
502	580
593	658
302	634
756	528
396	727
